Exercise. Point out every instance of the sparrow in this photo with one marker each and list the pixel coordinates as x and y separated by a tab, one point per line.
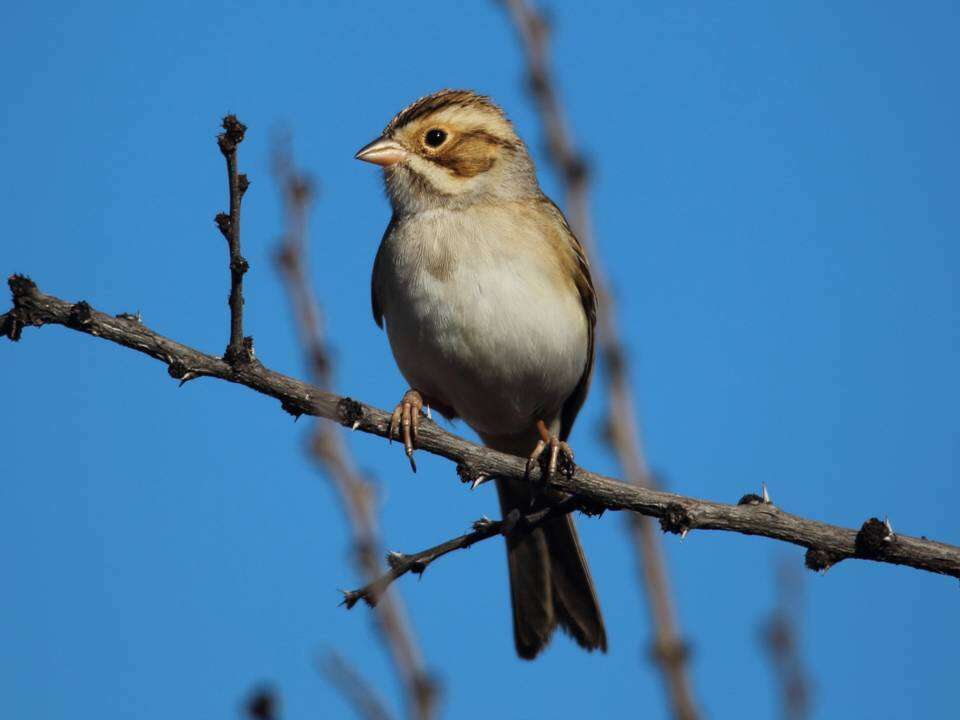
490	312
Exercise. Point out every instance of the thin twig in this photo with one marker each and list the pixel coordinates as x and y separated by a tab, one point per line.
781	635
669	651
827	544
330	452
357	691
484	528
240	348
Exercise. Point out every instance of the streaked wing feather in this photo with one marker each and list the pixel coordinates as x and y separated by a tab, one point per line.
588	298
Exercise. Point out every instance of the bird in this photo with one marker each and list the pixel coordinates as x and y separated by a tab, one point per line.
490	313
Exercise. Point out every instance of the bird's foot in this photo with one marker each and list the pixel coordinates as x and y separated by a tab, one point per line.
405	422
561	456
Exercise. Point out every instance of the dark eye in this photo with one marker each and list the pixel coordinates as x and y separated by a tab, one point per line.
435	137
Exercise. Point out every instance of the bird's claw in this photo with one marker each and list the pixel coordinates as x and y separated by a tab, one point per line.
405	422
557	448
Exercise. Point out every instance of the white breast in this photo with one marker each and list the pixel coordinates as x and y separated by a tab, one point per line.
480	316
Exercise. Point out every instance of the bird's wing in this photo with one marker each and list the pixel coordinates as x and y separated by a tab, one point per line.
374	294
580	269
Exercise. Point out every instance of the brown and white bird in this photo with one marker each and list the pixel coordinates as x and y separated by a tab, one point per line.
490	312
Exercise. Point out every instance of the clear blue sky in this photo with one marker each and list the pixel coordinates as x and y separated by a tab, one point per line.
776	199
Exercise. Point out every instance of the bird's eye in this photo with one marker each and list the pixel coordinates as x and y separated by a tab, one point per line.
435	137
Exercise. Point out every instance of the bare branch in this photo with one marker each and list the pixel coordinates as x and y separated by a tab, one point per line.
330	452
353	687
827	544
240	348
483	529
623	433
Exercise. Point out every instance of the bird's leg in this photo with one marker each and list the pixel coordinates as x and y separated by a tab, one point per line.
556	445
406	419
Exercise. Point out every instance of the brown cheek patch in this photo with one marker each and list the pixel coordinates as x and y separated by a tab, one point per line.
469	156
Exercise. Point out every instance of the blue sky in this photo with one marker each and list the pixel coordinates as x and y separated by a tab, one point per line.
775	199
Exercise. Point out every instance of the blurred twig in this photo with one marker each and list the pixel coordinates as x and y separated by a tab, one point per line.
781	635
330	452
262	704
357	691
622	431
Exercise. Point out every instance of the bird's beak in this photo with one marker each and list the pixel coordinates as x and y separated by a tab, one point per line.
382	151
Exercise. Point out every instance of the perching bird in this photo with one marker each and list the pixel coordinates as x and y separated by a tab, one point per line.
490	312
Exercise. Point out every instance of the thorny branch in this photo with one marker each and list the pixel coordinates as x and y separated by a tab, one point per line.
483	529
669	651
240	348
330	452
826	544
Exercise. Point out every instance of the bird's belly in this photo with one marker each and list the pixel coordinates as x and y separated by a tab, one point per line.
499	344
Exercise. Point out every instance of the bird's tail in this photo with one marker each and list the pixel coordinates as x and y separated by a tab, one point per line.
550	582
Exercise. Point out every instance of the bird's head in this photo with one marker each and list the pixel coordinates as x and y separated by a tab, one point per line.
451	149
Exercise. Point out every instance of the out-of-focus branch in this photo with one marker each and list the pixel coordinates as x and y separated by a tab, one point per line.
240	348
262	704
484	528
826	544
330	452
780	636
669	651
357	691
